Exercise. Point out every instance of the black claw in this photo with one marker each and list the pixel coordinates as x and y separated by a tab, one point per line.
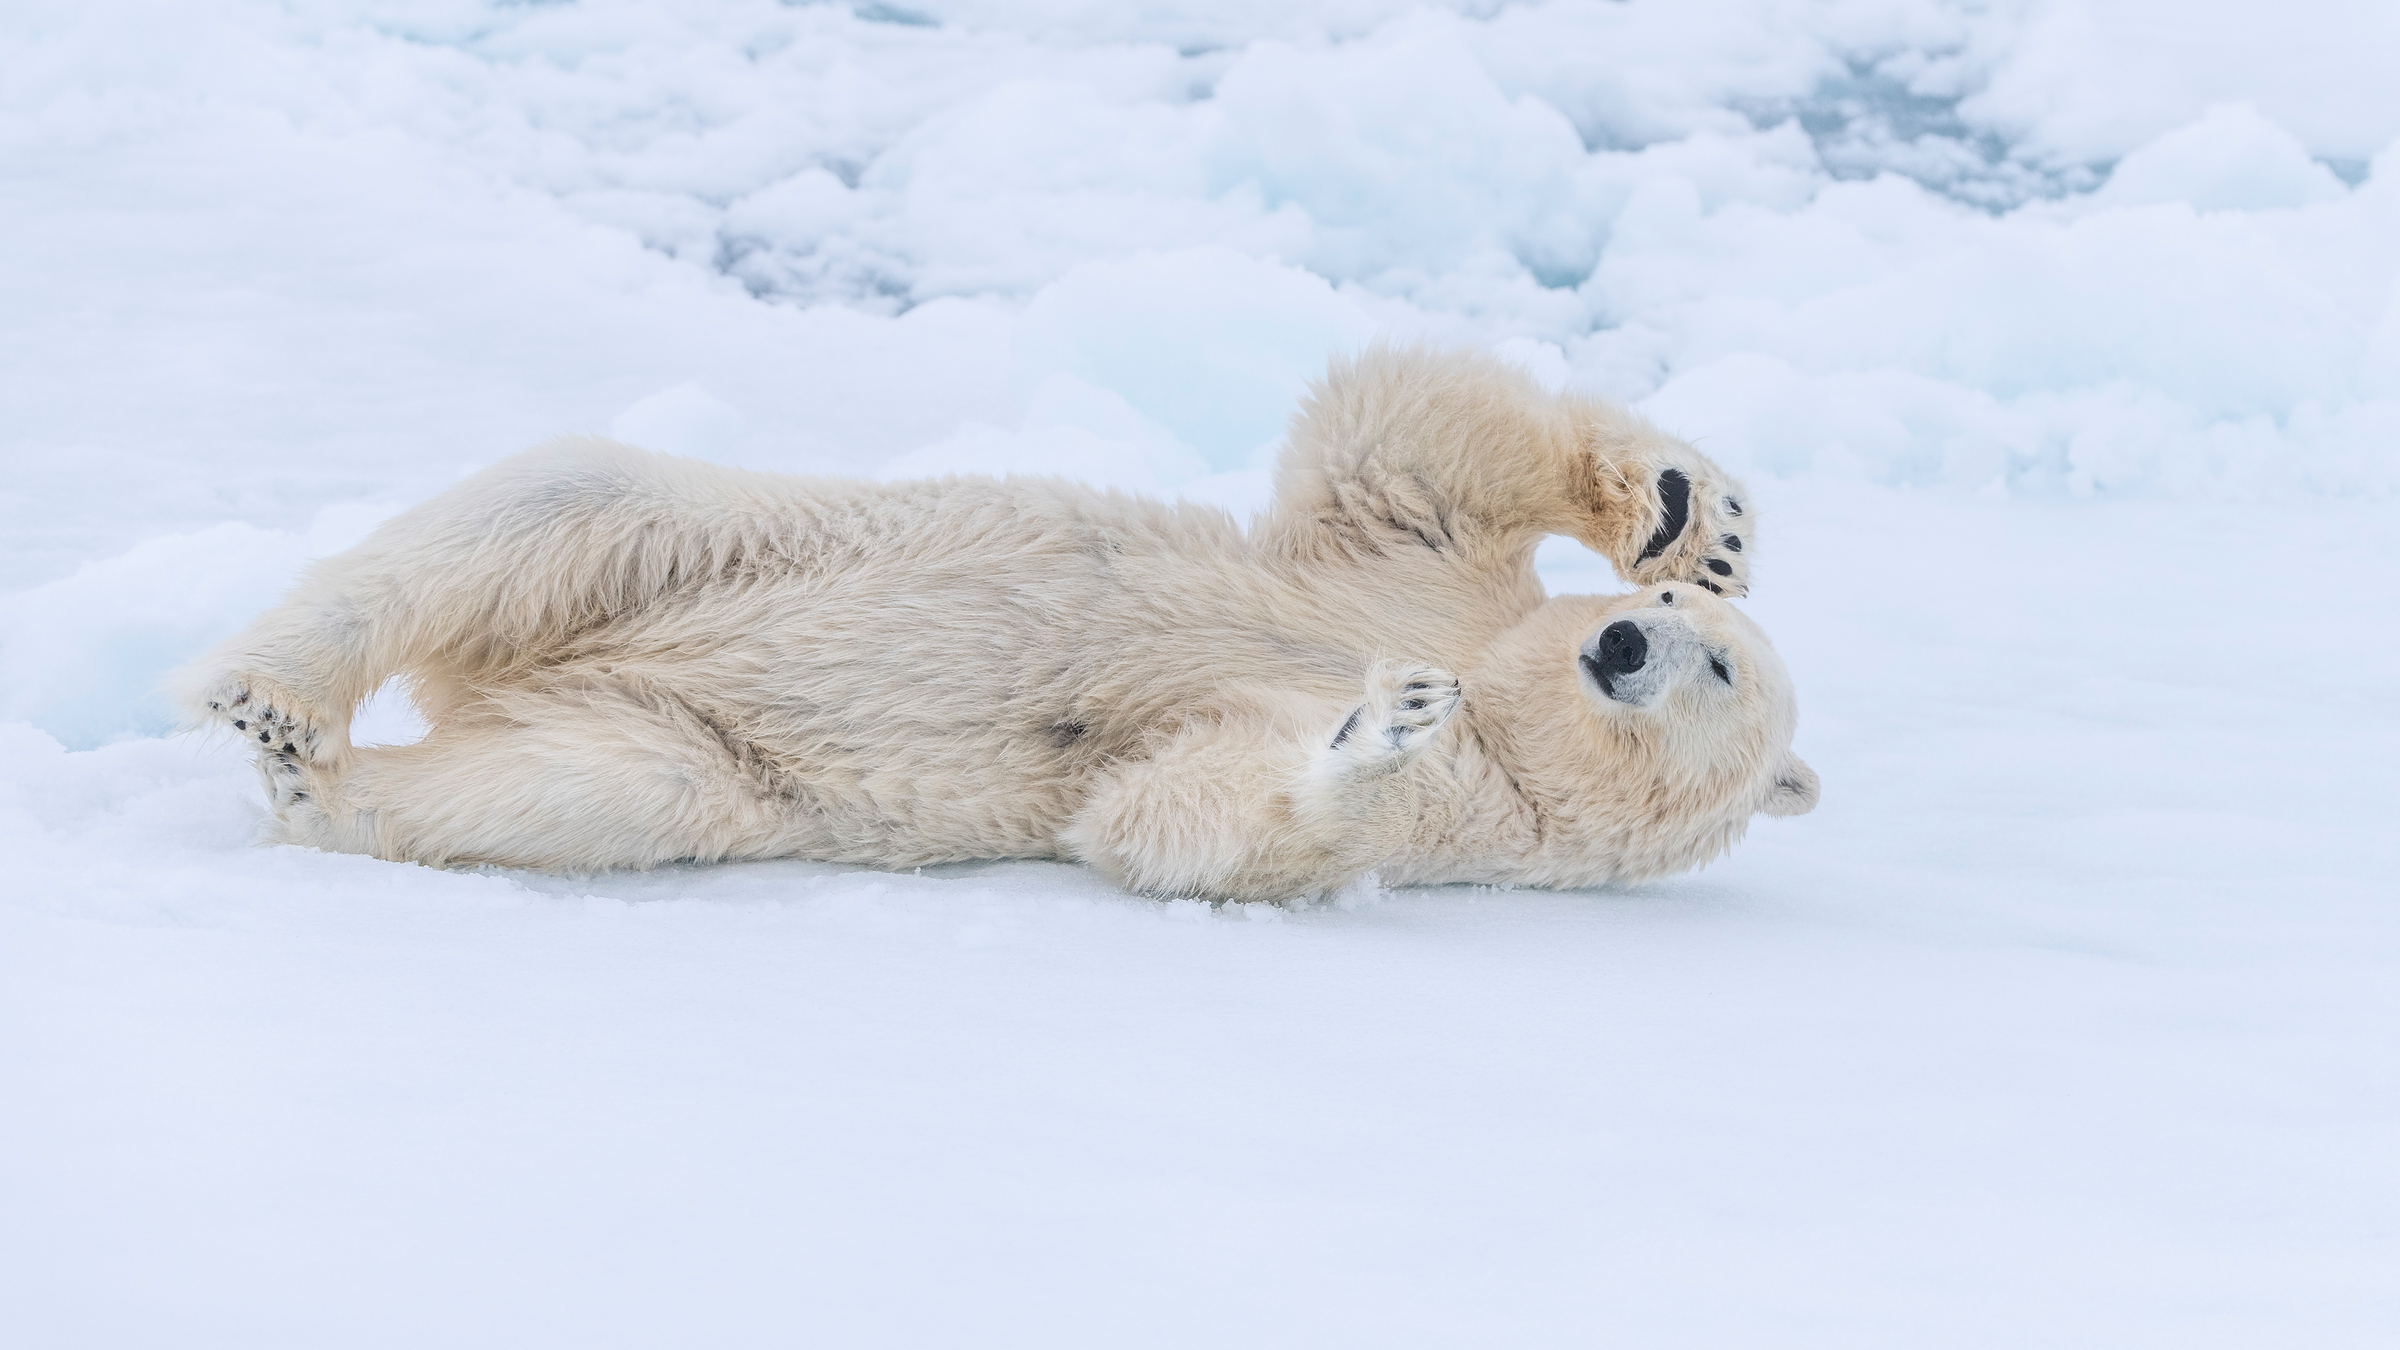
240	725
262	738
1732	507
1720	567
1732	542
1714	588
289	748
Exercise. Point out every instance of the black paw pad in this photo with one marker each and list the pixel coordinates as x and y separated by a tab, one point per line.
1675	500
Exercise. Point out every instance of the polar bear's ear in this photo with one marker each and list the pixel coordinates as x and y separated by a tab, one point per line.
1794	791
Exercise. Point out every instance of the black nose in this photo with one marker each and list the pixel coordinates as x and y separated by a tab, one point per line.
1623	648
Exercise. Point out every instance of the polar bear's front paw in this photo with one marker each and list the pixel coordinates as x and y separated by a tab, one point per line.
1405	706
268	719
1702	532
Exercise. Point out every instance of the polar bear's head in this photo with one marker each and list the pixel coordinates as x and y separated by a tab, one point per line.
1646	728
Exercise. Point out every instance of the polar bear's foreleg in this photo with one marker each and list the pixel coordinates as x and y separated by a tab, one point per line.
1466	455
1272	804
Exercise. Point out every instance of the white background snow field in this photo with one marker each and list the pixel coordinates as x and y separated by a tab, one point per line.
2059	341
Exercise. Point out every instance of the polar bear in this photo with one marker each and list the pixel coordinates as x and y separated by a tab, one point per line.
628	658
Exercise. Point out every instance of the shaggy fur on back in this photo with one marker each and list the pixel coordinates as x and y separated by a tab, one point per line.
628	658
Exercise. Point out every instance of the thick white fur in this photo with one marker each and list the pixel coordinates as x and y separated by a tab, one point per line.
628	658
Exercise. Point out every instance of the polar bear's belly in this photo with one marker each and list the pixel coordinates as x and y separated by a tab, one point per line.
913	714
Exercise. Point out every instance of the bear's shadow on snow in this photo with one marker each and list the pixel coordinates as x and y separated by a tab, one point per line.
1036	882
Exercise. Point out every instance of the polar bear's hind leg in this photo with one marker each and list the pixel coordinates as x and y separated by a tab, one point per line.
249	706
489	575
572	778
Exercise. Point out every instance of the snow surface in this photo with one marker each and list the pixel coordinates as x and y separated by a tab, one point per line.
2061	345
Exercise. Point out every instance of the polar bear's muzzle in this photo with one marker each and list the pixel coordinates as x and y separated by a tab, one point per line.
1636	660
1616	656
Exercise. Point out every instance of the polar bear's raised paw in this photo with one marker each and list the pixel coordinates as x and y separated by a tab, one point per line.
1405	706
1702	534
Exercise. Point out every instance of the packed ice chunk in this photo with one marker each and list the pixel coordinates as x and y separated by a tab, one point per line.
1071	430
2232	159
1405	153
1212	345
84	656
684	419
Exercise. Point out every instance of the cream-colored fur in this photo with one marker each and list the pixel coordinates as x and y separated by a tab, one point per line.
628	658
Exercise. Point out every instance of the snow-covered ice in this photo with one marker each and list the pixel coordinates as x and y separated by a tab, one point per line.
2060	343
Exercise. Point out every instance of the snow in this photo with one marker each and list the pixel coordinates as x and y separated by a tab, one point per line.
2061	345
